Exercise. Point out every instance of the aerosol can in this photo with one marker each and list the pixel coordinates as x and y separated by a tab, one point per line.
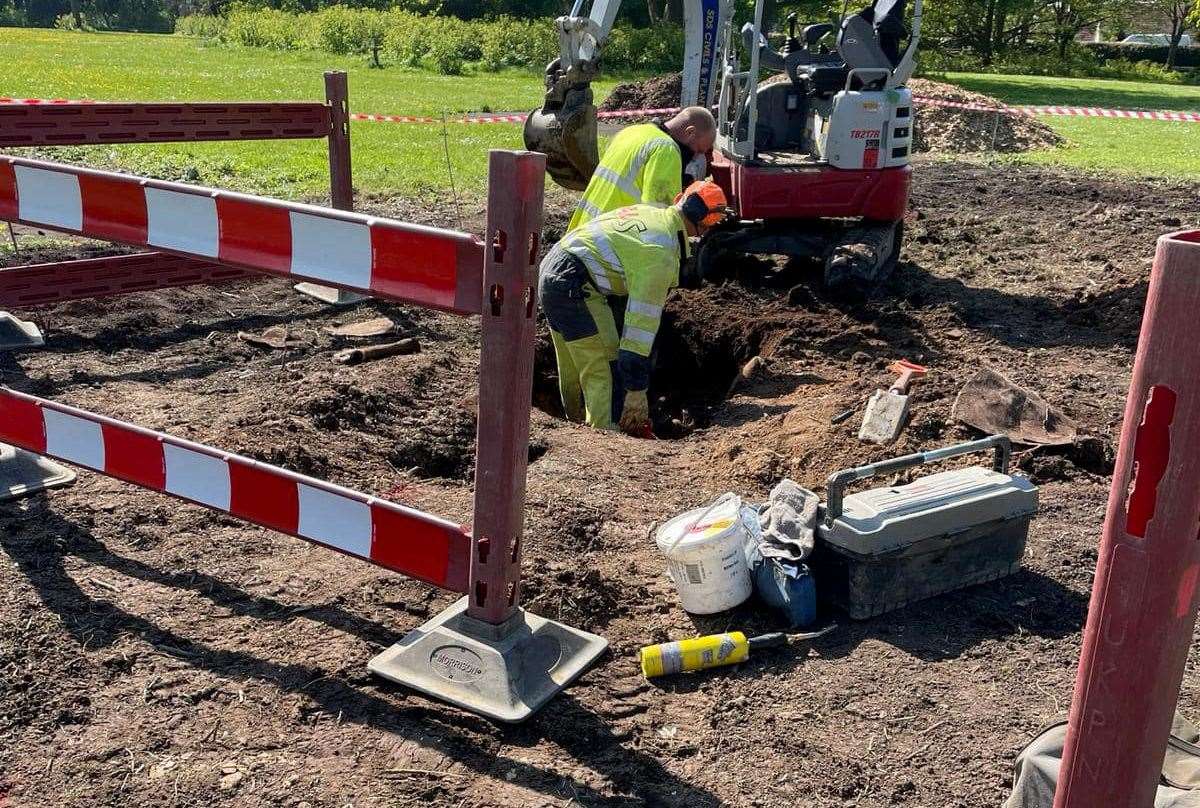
700	653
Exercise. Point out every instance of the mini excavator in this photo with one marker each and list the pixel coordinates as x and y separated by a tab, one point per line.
814	159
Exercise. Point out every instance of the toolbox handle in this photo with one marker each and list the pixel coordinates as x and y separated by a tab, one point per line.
835	486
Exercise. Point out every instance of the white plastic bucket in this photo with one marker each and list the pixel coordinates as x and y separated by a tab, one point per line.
706	557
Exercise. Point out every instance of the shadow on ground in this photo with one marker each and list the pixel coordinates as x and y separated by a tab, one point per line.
358	698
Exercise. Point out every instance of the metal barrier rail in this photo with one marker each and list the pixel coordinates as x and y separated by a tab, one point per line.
79	124
65	122
44	284
392	536
379	257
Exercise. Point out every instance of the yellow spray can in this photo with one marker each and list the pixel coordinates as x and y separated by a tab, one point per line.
702	652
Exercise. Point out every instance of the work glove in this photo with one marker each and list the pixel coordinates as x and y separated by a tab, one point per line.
635	417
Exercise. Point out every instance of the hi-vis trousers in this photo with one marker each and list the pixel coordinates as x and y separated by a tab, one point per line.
586	341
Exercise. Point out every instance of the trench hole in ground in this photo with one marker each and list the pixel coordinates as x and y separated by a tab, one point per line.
698	353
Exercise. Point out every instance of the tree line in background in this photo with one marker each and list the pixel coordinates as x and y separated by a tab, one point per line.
1036	35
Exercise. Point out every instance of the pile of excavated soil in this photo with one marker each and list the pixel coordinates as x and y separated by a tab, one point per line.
939	129
656	93
960	131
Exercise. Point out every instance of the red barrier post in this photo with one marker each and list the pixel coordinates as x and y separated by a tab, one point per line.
1144	599
515	190
485	653
337	96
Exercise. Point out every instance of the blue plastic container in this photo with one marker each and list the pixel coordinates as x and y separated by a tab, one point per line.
790	588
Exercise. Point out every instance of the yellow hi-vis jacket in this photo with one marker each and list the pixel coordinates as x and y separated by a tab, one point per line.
642	164
634	252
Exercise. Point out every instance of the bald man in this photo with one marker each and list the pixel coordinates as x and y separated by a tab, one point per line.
649	163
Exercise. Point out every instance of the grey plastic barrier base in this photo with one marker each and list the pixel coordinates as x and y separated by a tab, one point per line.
16	333
23	473
327	294
505	672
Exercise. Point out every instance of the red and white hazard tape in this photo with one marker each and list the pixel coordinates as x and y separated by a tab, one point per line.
1096	112
390	535
1033	111
32	101
1036	111
362	116
1067	112
517	118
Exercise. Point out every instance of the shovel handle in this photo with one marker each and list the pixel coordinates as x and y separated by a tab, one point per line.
835	486
908	372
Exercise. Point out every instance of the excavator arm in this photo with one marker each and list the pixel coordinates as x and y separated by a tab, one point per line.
564	128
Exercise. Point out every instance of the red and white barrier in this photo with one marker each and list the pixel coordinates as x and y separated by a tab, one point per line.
381	257
392	536
1142	614
516	661
88	278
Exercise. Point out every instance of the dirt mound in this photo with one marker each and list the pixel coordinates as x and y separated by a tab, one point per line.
656	93
958	131
939	129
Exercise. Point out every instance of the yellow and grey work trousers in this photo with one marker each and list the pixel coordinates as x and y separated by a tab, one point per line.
586	340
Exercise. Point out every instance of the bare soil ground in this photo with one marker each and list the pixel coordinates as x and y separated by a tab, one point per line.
156	654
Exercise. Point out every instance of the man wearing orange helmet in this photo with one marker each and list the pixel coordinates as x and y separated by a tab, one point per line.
634	253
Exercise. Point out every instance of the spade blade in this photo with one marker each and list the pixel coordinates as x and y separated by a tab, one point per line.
884	417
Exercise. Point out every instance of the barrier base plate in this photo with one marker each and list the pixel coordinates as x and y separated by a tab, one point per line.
23	473
16	333
504	672
328	294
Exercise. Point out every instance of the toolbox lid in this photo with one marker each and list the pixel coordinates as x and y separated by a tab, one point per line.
882	520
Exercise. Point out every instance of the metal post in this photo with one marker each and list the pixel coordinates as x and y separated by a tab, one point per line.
485	653
1144	599
337	95
341	187
515	191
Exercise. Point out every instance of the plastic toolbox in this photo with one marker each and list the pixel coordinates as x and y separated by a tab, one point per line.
881	549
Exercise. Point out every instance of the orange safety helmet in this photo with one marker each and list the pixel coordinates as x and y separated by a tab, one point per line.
703	203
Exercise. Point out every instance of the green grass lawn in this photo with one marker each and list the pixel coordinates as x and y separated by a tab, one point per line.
1156	148
410	159
388	157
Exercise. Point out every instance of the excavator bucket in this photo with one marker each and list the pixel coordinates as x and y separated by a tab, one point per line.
566	133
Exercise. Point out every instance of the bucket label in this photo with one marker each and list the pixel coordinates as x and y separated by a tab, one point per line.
454	663
709	528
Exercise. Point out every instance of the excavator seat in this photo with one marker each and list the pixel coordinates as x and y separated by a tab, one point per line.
869	39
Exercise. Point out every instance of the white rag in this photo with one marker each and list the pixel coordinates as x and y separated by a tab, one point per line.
787	521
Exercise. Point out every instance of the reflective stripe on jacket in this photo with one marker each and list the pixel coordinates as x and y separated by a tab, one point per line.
634	252
642	164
